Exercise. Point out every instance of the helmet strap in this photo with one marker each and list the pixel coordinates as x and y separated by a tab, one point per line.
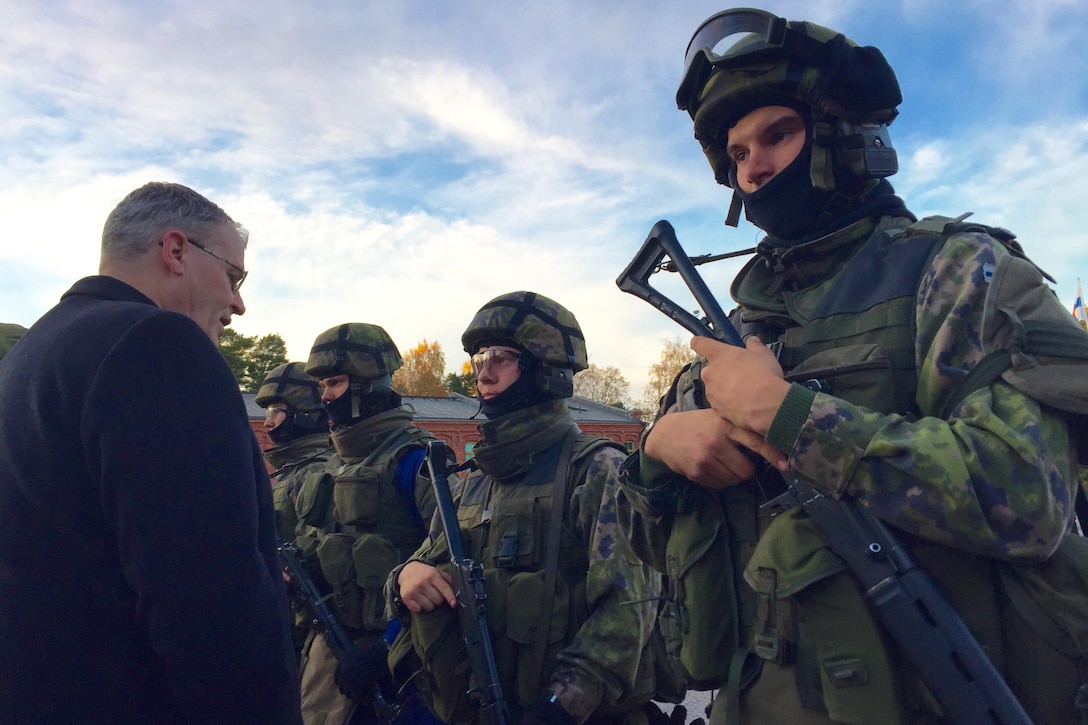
736	204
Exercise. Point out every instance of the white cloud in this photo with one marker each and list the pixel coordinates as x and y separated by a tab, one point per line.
402	163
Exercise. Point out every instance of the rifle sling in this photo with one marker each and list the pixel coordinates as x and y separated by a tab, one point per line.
560	492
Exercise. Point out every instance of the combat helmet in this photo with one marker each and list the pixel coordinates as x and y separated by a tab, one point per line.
541	327
289	384
10	333
741	59
357	349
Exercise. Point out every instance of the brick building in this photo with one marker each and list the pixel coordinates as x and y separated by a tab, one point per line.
451	419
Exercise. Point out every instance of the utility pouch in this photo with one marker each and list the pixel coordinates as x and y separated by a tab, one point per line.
864	374
711	606
374	556
355	497
286	514
799	580
517	539
314	499
334	553
525	593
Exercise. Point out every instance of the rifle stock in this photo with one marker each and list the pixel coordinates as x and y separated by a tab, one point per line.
324	620
902	596
468	585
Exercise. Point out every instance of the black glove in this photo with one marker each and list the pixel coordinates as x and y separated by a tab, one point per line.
547	711
656	716
362	668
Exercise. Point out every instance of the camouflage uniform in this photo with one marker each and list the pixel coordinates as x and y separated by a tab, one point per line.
995	478
597	660
596	669
354	520
977	479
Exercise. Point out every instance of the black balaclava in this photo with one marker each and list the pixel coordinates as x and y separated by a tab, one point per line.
372	398
792	210
297	424
789	207
522	393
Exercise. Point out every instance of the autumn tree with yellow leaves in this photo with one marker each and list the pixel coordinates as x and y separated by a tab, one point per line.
674	356
604	385
423	373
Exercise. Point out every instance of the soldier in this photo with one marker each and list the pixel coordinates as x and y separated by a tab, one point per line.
299	426
360	516
878	367
538	511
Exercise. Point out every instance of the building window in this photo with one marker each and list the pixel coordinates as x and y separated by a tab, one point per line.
630	446
468	450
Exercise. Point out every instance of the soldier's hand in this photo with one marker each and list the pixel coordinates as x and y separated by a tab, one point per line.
361	669
744	386
423	587
705	448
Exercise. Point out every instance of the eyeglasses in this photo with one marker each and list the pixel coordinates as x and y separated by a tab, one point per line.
270	413
235	282
498	359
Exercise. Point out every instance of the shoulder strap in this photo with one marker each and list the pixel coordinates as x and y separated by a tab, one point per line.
560	493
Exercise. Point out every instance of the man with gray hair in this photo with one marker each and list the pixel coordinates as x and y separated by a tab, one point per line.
138	573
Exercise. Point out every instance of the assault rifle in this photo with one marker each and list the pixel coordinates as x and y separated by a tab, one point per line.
468	585
324	620
902	596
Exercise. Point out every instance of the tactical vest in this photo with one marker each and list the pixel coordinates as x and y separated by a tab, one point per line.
356	523
505	527
292	463
859	345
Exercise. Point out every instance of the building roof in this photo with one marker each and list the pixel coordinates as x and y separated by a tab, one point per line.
459	407
255	411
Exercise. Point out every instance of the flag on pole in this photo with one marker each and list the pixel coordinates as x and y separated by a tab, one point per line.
1078	307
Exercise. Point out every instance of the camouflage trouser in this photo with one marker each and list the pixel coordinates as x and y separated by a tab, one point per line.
322	703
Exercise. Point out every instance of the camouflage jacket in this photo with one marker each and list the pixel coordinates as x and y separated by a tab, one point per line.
995	477
598	667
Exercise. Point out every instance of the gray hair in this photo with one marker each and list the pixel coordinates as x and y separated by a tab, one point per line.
138	222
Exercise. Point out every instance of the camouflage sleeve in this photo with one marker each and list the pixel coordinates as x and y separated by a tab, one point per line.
649	490
600	667
995	477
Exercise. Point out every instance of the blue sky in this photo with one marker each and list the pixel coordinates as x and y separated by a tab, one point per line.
403	162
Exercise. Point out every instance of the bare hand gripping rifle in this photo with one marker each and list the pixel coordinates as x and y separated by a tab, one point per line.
324	620
902	596
468	585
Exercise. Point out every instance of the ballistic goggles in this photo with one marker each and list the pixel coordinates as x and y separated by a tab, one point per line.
737	38
497	358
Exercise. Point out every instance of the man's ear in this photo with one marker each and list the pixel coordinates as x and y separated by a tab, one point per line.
173	250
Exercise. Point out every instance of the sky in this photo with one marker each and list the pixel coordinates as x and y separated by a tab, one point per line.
402	162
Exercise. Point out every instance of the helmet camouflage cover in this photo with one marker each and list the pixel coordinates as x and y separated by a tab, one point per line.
543	327
741	59
289	384
355	348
